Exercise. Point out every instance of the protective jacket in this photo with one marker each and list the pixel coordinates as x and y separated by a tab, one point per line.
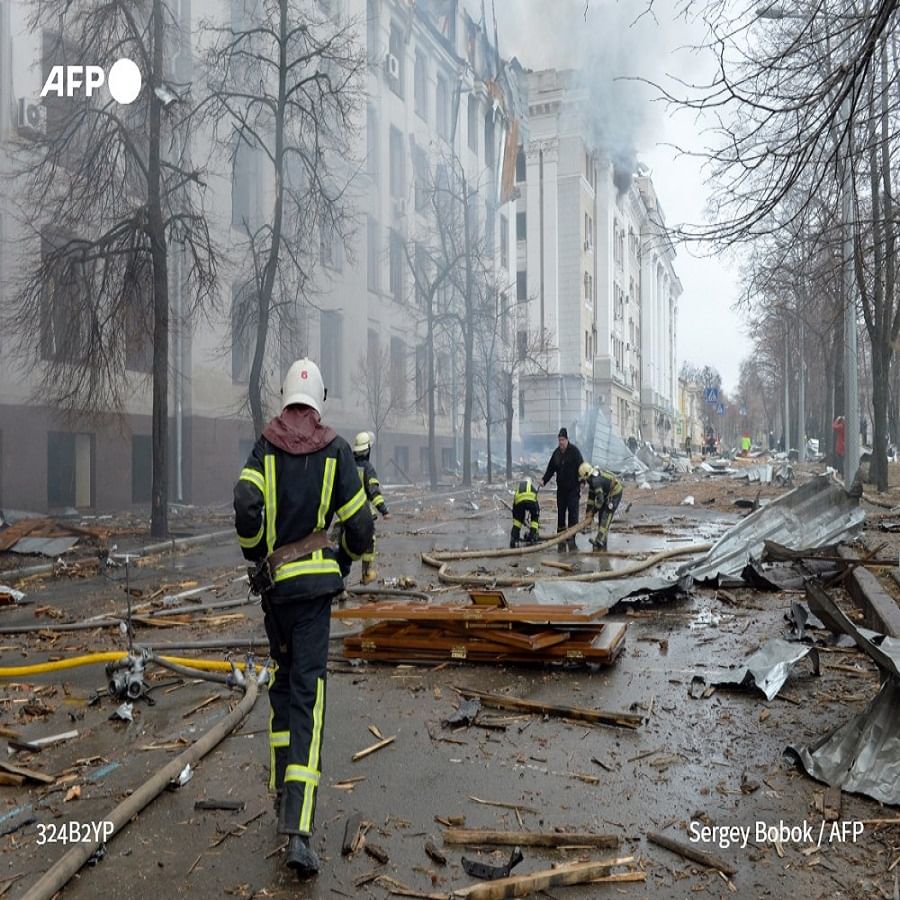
602	487
300	475
525	492
565	467
371	485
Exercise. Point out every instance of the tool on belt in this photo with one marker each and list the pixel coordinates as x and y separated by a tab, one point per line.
262	575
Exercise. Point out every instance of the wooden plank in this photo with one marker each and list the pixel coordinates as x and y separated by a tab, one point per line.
534	613
580	713
692	853
487	598
523	885
485	836
30	774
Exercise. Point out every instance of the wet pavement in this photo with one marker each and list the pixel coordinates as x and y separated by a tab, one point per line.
712	762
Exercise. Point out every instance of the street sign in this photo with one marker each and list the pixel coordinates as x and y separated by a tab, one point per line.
720	409
711	394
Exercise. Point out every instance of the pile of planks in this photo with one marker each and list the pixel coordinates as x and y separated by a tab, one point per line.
45	528
486	630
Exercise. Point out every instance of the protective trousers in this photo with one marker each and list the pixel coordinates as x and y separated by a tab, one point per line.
604	520
298	642
519	511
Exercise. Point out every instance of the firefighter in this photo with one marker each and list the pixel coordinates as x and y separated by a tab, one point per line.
564	465
299	476
525	505
362	447
604	493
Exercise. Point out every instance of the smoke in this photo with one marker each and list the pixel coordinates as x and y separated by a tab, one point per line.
613	45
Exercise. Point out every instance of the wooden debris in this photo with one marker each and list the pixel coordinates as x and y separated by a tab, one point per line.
376	852
28	774
398	889
553	564
237	830
74	793
689	852
484	836
353	834
435	853
522	885
831	804
229	805
383	743
8	780
200	706
499	701
517	806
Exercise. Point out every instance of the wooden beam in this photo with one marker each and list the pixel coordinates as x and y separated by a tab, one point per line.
689	852
477	836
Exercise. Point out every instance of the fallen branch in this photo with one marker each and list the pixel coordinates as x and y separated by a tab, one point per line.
479	836
688	852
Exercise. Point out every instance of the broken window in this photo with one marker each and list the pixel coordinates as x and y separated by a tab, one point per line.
398	164
442	108
244	187
396	266
373	254
521	167
138	316
66	313
489	151
420	88
398	371
243	331
473	123
331	326
70	469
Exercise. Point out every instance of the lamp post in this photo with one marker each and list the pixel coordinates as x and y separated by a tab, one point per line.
851	362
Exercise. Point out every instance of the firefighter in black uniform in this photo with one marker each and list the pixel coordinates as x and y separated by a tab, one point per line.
362	447
604	495
564	464
299	475
525	505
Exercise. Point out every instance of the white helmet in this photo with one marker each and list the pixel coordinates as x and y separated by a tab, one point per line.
362	442
303	384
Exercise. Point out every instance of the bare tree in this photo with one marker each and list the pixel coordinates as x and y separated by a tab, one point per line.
284	88
381	393
108	192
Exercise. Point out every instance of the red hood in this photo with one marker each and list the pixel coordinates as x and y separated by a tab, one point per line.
298	430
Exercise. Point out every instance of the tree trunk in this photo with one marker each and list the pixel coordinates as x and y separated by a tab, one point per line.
159	504
432	389
468	339
509	401
881	361
488	422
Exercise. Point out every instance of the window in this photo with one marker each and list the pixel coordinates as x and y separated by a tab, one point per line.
587	286
421	378
489	153
504	316
395	50
521	286
373	44
373	348
473	123
396	266
244	191
139	317
331	248
65	313
442	376
442	108
372	161
521	166
420	87
420	177
522	344
243	331
401	459
421	264
447	463
330	351
398	371
398	164
504	241
521	226
490	219
373	255
70	469
521	405
587	345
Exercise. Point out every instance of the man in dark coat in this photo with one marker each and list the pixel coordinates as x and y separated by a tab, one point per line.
564	465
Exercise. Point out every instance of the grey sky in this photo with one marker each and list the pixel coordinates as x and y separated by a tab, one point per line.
608	43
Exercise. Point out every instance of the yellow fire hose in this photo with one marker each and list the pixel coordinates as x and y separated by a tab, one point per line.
208	665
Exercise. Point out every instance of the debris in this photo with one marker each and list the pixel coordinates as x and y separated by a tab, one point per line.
383	743
37	744
200	706
237	830
74	793
376	852
523	885
688	501
515	806
125	713
229	805
689	852
10	596
183	777
479	836
28	774
768	668
492	873
399	889
353	834
500	701
466	713
434	853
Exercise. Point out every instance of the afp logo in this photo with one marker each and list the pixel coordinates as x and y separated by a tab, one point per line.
124	81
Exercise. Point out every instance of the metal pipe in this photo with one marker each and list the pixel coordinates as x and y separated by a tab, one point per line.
71	862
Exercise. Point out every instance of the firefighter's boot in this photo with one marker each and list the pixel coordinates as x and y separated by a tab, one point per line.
514	538
301	857
369	572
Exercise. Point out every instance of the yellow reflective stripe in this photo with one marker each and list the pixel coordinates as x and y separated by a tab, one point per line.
251	542
517	523
327	488
320	566
352	506
254	477
378	500
302	773
535	525
280	738
309	794
271	502
347	550
525	495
